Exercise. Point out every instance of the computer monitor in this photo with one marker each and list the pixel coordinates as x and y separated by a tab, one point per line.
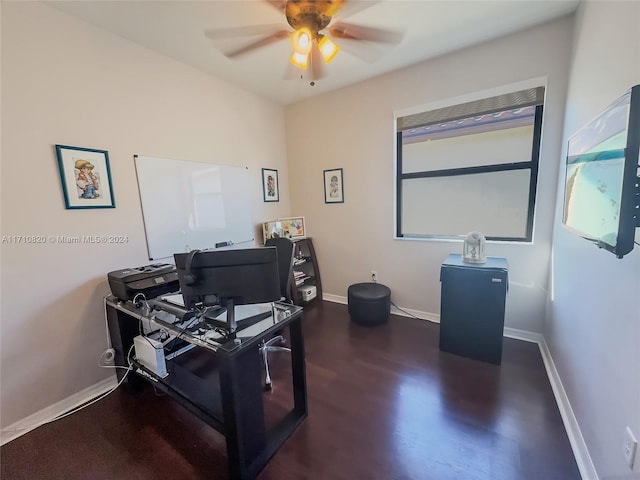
228	278
601	201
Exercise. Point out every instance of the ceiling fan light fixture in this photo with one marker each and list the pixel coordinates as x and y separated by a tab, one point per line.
308	20
328	48
300	60
301	40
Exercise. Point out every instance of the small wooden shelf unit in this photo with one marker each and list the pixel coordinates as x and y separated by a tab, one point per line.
305	271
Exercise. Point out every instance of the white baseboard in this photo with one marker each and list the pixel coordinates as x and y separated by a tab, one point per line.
578	445
404	312
47	414
524	335
334	298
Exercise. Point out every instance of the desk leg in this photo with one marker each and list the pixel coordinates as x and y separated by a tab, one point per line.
122	330
298	367
243	412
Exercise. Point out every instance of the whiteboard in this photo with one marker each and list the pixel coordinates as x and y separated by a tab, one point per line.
190	205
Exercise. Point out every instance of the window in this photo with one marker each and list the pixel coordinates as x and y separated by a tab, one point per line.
472	166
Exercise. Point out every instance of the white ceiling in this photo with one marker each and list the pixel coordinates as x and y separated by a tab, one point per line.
431	28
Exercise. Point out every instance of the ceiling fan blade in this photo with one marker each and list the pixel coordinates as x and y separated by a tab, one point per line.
349	31
246	31
279	5
292	72
351	7
262	42
316	62
365	51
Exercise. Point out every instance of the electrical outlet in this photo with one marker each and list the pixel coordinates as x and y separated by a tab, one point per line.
374	276
108	356
629	447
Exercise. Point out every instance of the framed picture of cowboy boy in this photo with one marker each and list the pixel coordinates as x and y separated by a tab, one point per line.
86	177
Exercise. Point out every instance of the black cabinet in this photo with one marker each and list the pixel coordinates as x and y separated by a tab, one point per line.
472	307
305	282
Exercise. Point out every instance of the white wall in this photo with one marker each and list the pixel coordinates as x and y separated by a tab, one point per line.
67	82
593	327
353	128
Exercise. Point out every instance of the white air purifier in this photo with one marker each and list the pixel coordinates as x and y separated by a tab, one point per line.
150	353
308	292
473	250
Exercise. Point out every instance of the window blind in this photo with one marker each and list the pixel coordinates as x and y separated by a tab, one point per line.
523	98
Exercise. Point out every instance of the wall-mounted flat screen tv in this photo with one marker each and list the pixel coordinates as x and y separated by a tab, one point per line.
601	201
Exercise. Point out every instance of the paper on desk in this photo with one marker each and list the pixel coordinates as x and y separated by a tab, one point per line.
244	311
176	299
241	311
253	309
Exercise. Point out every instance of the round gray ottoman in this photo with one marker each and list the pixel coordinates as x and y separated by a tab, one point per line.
369	303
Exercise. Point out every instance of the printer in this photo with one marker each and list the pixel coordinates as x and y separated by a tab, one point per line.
151	281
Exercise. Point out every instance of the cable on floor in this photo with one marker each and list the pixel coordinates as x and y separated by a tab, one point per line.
84	405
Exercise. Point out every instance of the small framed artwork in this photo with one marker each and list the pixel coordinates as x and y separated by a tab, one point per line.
270	189
333	186
293	227
85	177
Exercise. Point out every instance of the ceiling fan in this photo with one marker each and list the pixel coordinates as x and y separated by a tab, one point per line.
313	35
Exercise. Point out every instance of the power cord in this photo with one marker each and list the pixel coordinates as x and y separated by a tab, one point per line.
109	354
404	311
84	405
373	279
139	304
136	301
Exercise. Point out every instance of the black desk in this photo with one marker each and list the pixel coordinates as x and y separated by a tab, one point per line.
233	405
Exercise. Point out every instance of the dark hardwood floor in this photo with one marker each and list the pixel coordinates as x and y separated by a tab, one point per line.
384	403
